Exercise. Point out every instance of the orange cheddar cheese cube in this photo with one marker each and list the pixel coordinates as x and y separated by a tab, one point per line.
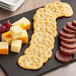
6	37
24	23
4	48
24	37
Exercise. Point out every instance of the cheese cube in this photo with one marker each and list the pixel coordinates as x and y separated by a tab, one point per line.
24	37
16	32
24	23
6	37
16	46
3	47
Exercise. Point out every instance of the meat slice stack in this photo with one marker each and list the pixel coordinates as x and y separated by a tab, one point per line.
68	42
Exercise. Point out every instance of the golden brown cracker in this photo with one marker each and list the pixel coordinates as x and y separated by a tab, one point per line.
30	62
60	7
47	29
53	8
68	10
37	52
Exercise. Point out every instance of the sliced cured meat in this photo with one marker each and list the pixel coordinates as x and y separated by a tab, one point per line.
63	58
70	26
68	46
68	30
67	35
72	40
67	51
74	22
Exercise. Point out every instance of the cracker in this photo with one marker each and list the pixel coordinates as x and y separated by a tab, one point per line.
42	48
44	22
37	52
43	15
60	7
47	19
45	10
68	10
47	29
30	62
43	35
42	41
53	8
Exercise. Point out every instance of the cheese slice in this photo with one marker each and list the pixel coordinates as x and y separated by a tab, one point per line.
24	23
6	37
4	48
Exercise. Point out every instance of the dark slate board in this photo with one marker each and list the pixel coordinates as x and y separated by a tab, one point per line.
9	62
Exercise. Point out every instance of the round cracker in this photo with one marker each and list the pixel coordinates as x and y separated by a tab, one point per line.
43	48
68	10
60	7
43	15
44	22
45	10
37	52
42	41
47	29
43	35
30	62
53	8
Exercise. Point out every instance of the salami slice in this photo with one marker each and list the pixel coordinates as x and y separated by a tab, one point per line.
74	22
70	26
72	40
68	46
68	30
66	35
67	51
63	58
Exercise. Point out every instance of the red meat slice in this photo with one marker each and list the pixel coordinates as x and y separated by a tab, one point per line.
74	23
68	30
67	51
67	35
63	58
72	40
68	46
70	26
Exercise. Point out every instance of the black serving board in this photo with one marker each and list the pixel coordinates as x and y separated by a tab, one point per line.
9	62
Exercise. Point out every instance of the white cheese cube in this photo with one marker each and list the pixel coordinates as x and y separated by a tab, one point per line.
16	32
16	46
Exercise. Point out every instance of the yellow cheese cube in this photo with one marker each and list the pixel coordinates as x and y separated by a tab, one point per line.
3	47
24	37
24	23
16	46
6	37
16	32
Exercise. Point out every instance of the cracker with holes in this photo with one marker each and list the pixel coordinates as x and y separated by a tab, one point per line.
30	62
47	29
53	8
42	48
42	41
37	52
68	10
60	7
43	35
45	10
44	22
43	15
